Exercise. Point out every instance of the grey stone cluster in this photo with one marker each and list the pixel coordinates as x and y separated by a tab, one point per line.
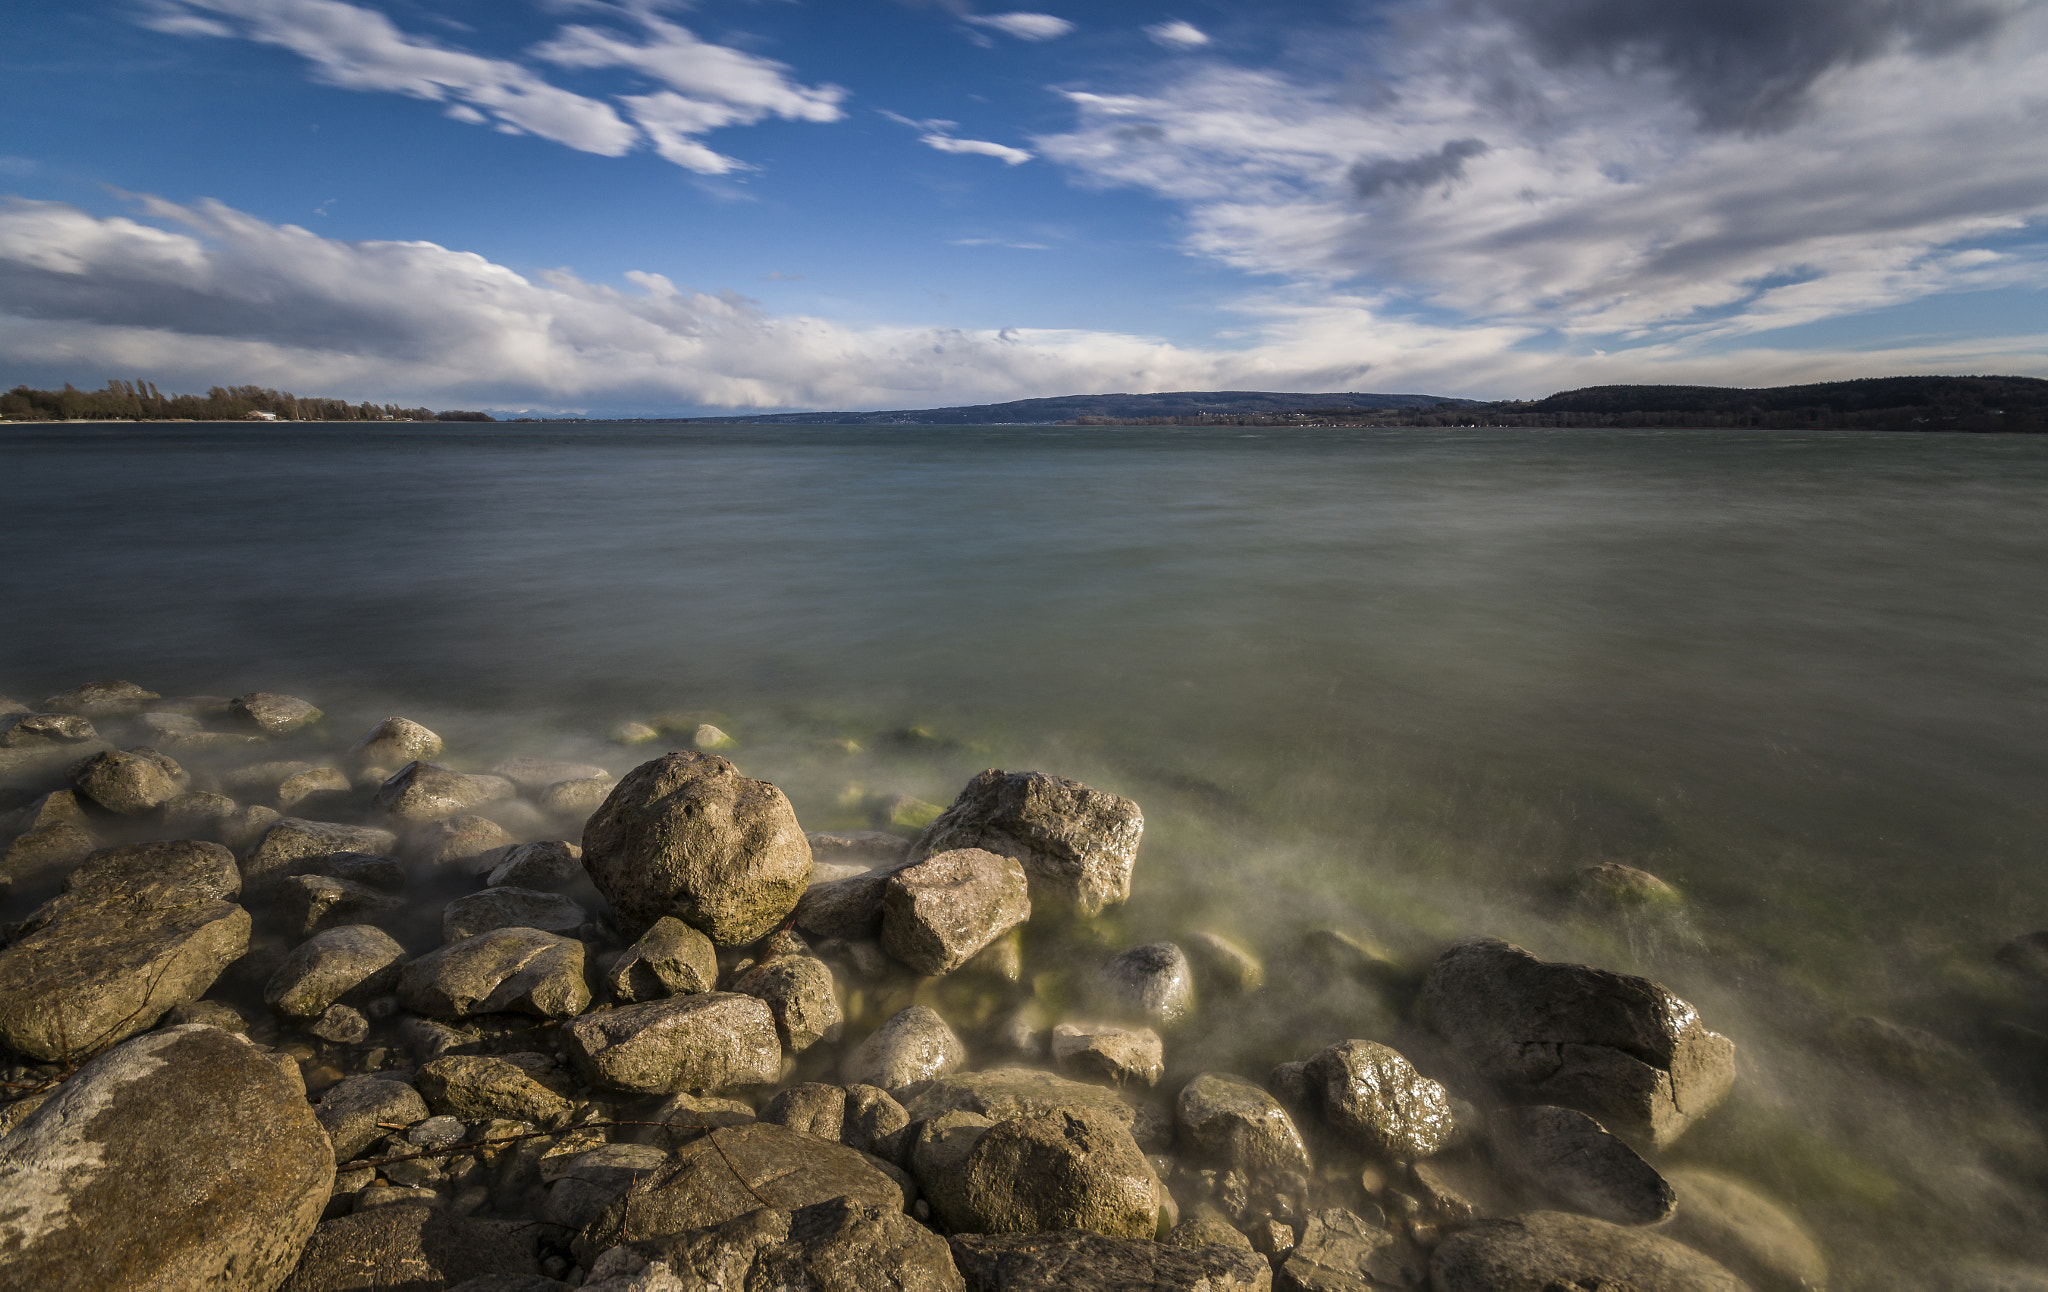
386	1018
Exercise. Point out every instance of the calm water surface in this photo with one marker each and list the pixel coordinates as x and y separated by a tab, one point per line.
1401	682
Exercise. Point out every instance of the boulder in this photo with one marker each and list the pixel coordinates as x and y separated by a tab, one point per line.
475	1087
707	1042
108	699
1371	1094
45	731
1545	1250
511	908
411	1247
595	1178
394	742
1002	1093
306	904
352	1109
460	842
1222	967
532	775
811	1107
838	1245
1341	1252
349	964
1119	1055
576	798
934	1152
670	959
422	791
292	840
129	782
137	930
182	1159
1754	1237
799	991
874	1122
545	863
505	970
732	1171
271	714
686	835
937	913
1069	1168
1077	845
1572	1157
1153	983
1078	1261
912	1045
1616	1046
1229	1123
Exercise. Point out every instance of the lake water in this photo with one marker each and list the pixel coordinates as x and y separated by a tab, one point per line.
1400	682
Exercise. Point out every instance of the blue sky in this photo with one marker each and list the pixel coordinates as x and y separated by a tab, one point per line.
582	206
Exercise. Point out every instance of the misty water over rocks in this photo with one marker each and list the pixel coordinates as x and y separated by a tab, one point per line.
1757	718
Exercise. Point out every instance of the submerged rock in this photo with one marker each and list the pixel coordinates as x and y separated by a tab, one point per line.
1373	1095
109	699
1546	1250
670	959
913	1045
708	1042
1222	967
937	913
1572	1157
500	971
868	849
1077	845
1152	982
686	835
45	731
532	775
576	798
306	904
1745	1231
273	715
183	1159
137	930
460	842
351	963
130	782
312	785
1078	1261
1616	1046
421	791
394	742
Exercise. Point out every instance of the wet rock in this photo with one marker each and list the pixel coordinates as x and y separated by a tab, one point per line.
341	1024
129	782
1229	1123
1153	983
670	959
272	714
913	1045
868	849
937	913
532	775
1077	845
732	1171
421	791
1069	1168
504	970
410	1248
394	742
183	1159
799	991
1222	967
291	841
351	1109
1098	1051
474	1087
686	835
874	1122
109	699
1545	1250
811	1107
594	1179
1618	1047
708	1042
1374	1096
460	841
312	785
1625	888
1078	1261
306	904
1352	956
833	1246
1002	1093
1754	1237
137	930
576	798
546	863
1573	1158
511	908
45	731
633	733
707	736
347	964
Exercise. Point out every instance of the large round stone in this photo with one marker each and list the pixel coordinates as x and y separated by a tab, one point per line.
686	835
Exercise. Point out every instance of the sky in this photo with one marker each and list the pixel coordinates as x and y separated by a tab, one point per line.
588	207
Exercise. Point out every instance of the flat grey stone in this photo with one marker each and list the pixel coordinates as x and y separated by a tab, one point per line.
293	840
595	1179
410	1247
838	1245
1002	1093
1341	1252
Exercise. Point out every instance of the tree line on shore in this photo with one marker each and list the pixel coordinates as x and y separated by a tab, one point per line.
141	401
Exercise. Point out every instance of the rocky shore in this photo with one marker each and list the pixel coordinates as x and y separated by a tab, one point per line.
318	1015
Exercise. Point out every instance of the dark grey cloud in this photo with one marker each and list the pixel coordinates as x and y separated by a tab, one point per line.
1745	64
1369	179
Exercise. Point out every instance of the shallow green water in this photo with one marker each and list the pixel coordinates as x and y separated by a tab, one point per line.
1404	683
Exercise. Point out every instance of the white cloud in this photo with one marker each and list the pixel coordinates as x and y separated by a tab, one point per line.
204	294
1024	26
979	147
1178	34
709	86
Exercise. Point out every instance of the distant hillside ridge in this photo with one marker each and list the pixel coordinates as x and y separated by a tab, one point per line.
1067	408
1867	403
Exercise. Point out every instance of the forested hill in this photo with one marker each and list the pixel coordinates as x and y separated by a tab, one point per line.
1069	408
1871	403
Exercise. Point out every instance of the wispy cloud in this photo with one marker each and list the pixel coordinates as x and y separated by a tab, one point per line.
707	86
999	242
1177	34
1023	26
978	147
